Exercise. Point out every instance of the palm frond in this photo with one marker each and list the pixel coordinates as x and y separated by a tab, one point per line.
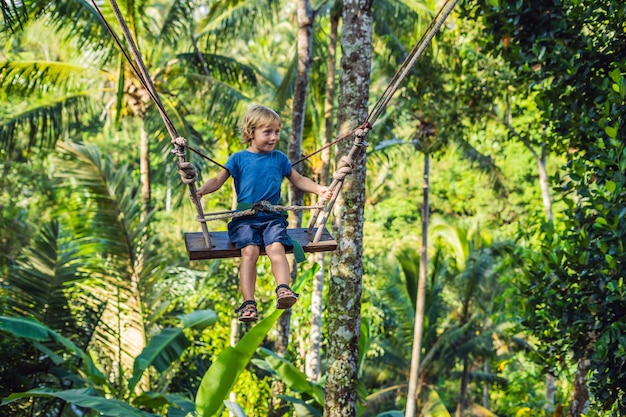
409	261
391	150
81	21
40	280
225	19
25	78
453	238
43	123
14	15
116	217
212	67
175	24
118	238
73	18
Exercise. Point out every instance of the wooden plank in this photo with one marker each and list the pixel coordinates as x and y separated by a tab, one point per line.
222	248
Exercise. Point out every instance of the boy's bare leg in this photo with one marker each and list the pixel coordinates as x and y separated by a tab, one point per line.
280	265
285	297
247	270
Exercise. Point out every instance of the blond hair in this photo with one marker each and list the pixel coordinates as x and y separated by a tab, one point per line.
257	116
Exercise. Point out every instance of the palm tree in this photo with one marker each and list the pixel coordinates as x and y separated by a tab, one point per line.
344	294
476	278
98	79
91	275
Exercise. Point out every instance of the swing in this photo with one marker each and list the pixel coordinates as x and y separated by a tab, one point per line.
216	245
221	247
213	245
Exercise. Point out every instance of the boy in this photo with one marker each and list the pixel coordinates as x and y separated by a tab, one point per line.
258	172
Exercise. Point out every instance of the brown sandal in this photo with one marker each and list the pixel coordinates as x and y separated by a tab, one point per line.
247	311
285	297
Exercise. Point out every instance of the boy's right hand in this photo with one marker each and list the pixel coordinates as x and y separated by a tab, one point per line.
199	193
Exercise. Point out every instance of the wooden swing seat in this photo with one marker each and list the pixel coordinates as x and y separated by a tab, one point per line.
223	248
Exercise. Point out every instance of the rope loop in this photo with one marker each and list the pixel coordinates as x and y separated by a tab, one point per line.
187	171
345	168
180	141
346	160
341	173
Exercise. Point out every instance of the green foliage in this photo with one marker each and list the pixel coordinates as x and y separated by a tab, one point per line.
295	379
35	331
84	398
576	289
163	350
566	48
553	69
220	378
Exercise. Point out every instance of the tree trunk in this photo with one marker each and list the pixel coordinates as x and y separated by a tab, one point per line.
345	286
411	404
550	391
579	403
305	51
487	371
462	405
144	168
304	18
544	183
313	356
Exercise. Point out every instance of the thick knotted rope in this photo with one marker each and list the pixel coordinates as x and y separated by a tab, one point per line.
346	165
263	205
188	172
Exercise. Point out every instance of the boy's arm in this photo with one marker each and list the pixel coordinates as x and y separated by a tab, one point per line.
308	185
213	184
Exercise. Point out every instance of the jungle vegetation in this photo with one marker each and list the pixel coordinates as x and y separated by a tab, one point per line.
487	210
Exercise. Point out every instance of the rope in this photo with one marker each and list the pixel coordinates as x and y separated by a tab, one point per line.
188	172
411	59
141	71
398	77
263	205
197	152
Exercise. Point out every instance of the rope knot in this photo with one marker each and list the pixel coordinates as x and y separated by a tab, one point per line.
187	171
344	168
362	131
179	146
263	205
180	141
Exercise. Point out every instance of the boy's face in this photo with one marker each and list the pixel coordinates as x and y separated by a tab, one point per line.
265	138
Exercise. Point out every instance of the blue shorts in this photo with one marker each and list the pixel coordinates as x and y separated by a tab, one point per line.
258	230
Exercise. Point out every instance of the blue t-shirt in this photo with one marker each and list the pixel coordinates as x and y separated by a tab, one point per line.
258	176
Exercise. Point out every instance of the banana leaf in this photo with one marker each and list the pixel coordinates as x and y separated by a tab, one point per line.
179	405
167	347
219	380
434	407
84	398
35	331
291	376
